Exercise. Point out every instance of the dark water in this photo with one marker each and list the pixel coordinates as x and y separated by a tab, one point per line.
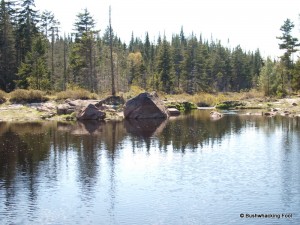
188	170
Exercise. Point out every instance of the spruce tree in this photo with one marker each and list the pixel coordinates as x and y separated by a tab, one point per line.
7	49
82	62
165	67
178	52
27	20
33	72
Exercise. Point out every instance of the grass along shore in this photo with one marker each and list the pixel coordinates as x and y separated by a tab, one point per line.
21	105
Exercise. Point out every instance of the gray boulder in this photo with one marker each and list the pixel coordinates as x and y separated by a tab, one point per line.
145	106
91	112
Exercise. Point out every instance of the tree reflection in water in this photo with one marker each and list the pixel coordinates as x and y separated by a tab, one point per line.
31	152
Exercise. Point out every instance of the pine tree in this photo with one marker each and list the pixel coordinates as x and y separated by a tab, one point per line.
289	44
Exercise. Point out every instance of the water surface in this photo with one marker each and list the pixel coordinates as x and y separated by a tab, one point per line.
188	170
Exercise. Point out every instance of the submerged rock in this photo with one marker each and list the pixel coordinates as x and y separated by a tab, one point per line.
145	106
215	115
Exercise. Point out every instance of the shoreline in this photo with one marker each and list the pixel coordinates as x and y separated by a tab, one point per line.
34	112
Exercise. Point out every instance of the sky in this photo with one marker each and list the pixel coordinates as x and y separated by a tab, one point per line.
252	24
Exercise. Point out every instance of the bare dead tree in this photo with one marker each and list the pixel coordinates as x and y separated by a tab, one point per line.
113	89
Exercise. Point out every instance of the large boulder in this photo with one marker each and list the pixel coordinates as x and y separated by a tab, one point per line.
145	106
91	112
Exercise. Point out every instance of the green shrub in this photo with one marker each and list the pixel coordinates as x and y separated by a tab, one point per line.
27	96
77	93
222	106
189	106
182	106
229	105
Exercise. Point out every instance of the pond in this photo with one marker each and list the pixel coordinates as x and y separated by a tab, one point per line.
187	170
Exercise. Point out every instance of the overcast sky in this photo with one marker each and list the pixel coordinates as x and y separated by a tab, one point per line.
251	23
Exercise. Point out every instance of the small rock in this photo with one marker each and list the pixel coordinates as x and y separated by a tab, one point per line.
173	112
270	114
294	104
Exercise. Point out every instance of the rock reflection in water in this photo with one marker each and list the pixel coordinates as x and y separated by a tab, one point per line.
145	128
82	127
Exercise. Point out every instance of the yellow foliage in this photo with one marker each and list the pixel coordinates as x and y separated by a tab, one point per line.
213	99
27	96
75	92
135	59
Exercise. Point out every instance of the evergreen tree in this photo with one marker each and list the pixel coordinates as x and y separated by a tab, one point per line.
27	29
183	40
289	44
82	60
131	43
178	52
84	23
135	68
165	68
49	23
266	78
147	49
296	76
241	77
33	72
190	65
7	49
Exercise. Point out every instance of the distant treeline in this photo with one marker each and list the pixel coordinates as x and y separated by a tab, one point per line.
33	55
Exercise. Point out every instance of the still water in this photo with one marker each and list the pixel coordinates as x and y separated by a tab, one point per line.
188	170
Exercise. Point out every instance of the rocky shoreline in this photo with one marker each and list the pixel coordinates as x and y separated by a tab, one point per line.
113	108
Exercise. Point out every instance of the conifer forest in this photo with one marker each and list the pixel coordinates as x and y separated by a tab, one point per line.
36	54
